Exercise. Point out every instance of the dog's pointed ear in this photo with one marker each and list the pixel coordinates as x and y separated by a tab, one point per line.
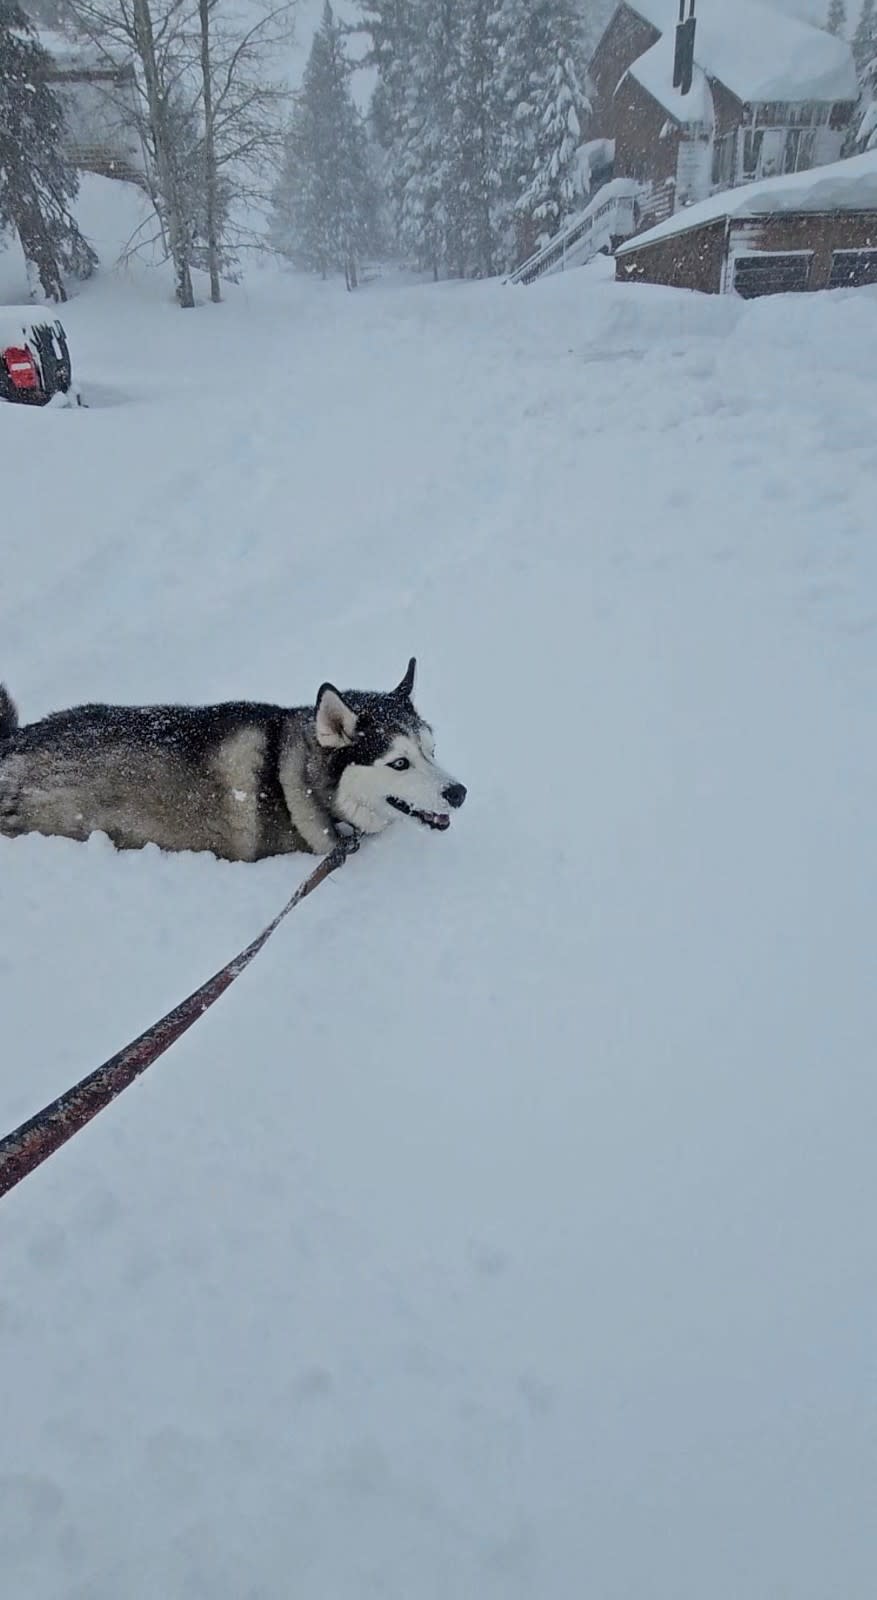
336	722
404	690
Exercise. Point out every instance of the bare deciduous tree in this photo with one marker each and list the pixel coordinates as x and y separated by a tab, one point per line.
208	115
243	113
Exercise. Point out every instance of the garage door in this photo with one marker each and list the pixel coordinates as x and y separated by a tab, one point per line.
772	274
851	268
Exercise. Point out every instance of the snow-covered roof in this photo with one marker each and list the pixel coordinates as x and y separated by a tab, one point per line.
654	71
843	186
758	53
814	11
75	53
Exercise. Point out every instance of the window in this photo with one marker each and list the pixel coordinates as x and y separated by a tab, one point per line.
798	154
752	142
768	273
806	148
851	268
782	114
723	161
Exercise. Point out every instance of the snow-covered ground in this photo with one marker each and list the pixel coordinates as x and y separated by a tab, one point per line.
506	1233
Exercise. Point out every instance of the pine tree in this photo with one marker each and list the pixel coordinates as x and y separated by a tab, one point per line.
391	29
561	107
478	193
545	110
865	37
429	157
326	205
837	17
436	121
37	186
481	124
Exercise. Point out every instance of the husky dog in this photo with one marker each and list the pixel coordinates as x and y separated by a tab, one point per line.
242	780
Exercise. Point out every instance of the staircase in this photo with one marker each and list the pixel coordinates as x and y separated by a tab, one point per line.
609	217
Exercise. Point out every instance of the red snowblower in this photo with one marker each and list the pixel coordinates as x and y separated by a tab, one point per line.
34	358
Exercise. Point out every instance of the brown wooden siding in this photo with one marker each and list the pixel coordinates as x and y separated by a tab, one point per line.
692	260
728	109
626	37
697	259
821	232
640	151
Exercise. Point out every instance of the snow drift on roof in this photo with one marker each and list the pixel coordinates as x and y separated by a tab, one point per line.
654	71
761	54
75	53
814	11
843	186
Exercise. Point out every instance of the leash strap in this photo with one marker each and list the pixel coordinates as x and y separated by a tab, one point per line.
31	1144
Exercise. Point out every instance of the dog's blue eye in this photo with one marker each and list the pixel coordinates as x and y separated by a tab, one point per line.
400	765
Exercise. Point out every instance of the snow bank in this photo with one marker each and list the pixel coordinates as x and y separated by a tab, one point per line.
849	185
115	216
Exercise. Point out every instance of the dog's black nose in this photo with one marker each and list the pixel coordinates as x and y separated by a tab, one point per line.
455	794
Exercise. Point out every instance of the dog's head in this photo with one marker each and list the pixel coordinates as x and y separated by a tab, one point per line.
381	756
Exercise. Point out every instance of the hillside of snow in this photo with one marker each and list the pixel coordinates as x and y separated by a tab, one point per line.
507	1230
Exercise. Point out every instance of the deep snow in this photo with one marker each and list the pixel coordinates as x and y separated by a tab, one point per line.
507	1230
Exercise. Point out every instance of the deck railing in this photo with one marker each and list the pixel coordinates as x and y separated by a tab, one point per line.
586	235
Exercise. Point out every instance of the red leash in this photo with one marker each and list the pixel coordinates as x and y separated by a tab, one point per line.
31	1144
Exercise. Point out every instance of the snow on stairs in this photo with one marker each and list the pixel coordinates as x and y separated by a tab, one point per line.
609	216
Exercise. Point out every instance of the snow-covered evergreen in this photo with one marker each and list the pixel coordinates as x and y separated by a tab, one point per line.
478	140
865	37
480	110
547	107
428	157
390	29
37	185
836	21
865	53
326	202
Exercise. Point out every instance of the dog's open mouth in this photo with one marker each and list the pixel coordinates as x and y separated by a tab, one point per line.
439	820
